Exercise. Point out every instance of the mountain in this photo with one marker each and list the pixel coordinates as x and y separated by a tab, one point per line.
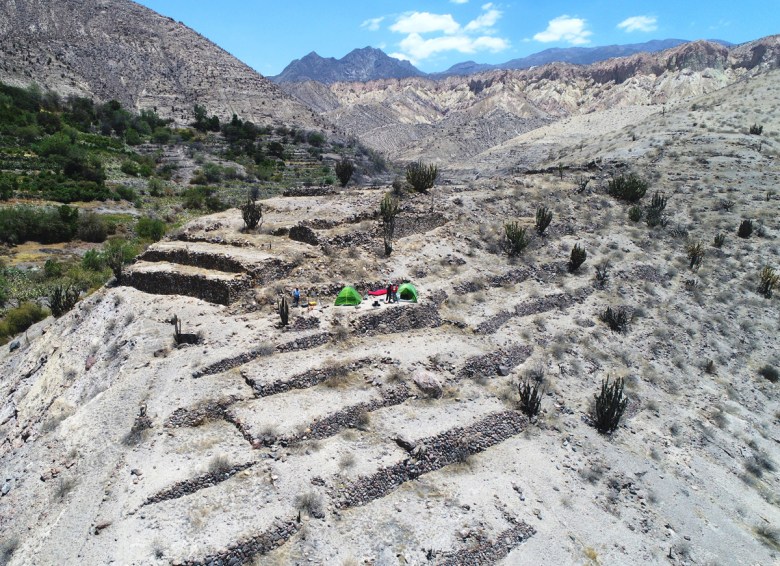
573	55
117	49
359	65
457	118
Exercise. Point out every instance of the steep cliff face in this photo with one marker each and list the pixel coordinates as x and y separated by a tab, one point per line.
121	50
455	118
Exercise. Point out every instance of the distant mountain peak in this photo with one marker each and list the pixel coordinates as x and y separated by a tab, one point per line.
360	65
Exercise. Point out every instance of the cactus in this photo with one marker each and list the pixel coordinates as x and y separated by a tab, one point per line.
609	406
530	398
745	229
421	176
695	252
516	238
543	219
284	311
617	319
252	213
720	239
768	280
577	258
630	188
388	210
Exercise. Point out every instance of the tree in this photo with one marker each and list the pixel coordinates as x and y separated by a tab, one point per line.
117	253
421	176
388	209
344	170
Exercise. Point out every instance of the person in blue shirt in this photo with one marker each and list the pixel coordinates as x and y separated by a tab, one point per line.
296	297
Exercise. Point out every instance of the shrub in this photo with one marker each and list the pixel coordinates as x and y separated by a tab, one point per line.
609	406
20	319
46	225
93	260
344	171
129	168
155	186
617	319
150	228
388	210
317	139
52	269
252	213
695	252
421	176
629	188
92	228
543	219
577	258
635	213
720	239
530	397
63	299
310	503
745	229
602	274
756	130
769	373
516	238
768	280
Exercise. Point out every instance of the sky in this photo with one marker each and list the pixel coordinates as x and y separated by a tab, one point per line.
435	34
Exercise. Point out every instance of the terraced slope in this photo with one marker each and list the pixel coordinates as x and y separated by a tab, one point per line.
391	434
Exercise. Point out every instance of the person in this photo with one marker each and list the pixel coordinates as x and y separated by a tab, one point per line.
395	293
389	292
296	297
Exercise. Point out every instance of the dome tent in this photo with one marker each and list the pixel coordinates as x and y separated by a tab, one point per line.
407	292
348	297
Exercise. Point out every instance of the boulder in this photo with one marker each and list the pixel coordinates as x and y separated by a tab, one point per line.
427	383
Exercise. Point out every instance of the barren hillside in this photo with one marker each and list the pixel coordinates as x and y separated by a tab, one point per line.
392	434
451	120
117	49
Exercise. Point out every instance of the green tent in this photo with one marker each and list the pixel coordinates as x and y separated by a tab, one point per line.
348	297
407	292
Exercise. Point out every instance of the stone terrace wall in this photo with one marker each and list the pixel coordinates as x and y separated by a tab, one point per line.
167	283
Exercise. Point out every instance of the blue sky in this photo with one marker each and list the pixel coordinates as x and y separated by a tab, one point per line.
435	34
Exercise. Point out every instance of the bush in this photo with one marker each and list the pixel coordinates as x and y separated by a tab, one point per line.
720	239
516	238
117	252
344	171
421	176
93	261
45	225
20	319
52	269
543	219
530	397
617	319
150	228
745	229
756	130
635	213
317	139
629	188
92	228
768	280
129	168
609	406
602	274
577	258
770	373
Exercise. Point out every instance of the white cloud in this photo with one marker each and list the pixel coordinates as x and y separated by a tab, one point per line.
486	20
372	24
639	23
418	48
402	57
425	22
428	34
565	28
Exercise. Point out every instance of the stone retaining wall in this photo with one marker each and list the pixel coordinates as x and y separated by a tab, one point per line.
408	225
194	258
190	486
303	380
442	450
487	552
171	283
398	319
543	304
490	364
